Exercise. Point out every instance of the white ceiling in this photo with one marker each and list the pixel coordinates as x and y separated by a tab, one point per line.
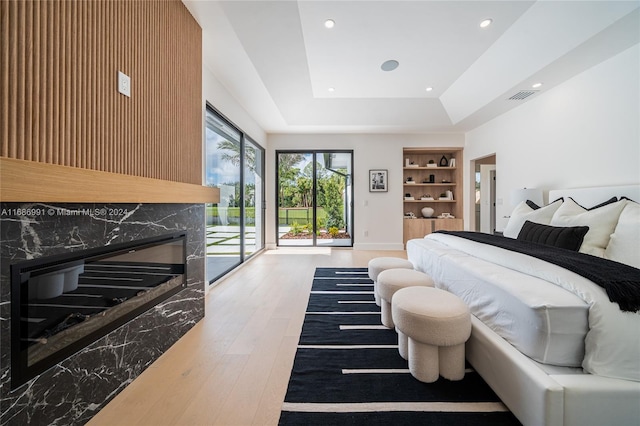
279	61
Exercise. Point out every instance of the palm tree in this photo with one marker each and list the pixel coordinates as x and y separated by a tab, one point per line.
231	153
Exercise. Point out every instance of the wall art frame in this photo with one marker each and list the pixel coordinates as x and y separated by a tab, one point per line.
378	180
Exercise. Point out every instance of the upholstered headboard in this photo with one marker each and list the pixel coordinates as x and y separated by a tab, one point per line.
588	197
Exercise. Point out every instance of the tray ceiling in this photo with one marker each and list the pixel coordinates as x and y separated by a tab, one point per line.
292	74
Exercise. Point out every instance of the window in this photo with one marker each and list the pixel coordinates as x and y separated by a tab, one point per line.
235	225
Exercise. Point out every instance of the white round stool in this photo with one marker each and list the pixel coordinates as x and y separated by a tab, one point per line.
432	326
379	264
392	280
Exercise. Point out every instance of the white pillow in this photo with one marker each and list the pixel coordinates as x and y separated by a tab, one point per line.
523	212
601	222
624	246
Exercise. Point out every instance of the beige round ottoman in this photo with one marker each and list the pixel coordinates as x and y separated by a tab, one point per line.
379	264
392	280
432	327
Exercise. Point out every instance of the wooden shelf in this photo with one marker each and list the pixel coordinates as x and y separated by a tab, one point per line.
430	168
430	201
431	184
30	181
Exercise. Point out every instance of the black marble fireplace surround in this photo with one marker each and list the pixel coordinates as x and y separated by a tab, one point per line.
74	390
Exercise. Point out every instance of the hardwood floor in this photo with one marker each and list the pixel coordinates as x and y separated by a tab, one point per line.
233	367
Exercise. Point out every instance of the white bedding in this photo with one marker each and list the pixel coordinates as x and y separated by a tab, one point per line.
543	321
612	343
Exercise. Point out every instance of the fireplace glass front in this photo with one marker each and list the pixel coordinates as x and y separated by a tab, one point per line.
62	303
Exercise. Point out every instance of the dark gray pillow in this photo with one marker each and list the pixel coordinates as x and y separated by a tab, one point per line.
602	204
534	206
569	238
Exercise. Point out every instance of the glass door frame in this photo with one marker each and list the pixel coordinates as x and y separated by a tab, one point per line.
244	138
247	140
350	197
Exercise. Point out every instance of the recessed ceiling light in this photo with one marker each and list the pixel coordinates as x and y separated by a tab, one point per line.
332	89
329	23
429	89
486	23
536	85
389	65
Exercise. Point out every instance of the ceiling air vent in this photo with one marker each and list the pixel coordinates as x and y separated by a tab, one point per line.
522	95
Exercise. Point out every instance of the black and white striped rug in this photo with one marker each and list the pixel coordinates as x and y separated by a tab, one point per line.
347	370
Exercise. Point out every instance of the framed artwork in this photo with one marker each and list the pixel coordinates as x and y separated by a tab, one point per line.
378	180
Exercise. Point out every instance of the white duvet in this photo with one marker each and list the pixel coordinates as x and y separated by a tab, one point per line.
612	343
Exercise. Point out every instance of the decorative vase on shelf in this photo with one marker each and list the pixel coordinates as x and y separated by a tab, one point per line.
427	212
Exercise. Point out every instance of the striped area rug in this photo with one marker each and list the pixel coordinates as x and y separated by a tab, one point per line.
347	370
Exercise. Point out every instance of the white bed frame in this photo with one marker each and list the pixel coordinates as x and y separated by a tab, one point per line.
548	396
589	197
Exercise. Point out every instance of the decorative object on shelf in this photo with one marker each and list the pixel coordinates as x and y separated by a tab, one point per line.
444	162
426	197
446	216
432	178
406	162
427	212
409	215
446	196
452	162
445	181
432	163
410	180
378	180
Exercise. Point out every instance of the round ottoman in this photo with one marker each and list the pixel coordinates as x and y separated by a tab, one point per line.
379	264
392	280
432	327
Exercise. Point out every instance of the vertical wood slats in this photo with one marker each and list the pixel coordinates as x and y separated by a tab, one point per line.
59	97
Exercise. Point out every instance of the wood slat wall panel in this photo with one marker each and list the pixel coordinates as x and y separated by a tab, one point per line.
59	97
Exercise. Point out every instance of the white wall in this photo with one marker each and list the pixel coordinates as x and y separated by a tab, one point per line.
584	132
382	215
220	98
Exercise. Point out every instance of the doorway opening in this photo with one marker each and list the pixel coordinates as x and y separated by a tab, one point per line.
315	198
484	194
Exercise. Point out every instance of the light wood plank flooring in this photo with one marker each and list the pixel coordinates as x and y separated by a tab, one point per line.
233	367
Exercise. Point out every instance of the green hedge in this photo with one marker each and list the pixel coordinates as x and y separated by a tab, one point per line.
285	216
300	216
233	215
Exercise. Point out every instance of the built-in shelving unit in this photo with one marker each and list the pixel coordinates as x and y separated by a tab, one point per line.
432	179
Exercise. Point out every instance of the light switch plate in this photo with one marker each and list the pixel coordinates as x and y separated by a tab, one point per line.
124	84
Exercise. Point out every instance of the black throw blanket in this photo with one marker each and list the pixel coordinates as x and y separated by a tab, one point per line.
620	281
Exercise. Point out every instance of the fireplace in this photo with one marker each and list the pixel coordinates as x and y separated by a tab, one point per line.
62	303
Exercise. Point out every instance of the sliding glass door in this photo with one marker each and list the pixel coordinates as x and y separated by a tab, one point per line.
235	225
253	197
315	196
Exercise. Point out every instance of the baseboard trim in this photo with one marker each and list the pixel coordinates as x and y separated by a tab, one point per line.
379	246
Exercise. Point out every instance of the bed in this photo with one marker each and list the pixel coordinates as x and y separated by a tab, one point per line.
549	341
